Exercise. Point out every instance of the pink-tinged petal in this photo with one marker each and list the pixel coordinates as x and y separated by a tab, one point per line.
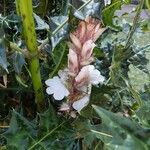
71	46
83	77
76	41
98	33
72	63
87	19
87	62
82	28
91	23
89	75
87	50
97	28
80	104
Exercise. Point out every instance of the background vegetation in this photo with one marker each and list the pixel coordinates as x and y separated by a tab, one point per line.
118	115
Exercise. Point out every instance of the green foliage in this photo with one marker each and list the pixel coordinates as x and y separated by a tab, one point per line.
17	134
129	133
108	12
117	116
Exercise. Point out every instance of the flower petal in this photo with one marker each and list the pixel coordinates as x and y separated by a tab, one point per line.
49	90
83	77
75	41
95	75
49	82
57	88
98	33
87	49
61	93
80	104
72	63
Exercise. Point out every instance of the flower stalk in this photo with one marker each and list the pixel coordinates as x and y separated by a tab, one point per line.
75	81
24	9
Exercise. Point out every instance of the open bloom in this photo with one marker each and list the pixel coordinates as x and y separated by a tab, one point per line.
89	75
57	88
79	76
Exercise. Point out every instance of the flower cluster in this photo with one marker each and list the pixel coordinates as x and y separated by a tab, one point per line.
75	81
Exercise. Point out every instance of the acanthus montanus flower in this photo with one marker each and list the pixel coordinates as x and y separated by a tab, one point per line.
76	80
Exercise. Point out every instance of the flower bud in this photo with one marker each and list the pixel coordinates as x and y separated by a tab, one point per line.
72	63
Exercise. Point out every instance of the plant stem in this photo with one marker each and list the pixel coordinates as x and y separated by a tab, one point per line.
24	9
135	21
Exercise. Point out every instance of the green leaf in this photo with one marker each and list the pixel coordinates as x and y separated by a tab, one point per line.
148	4
41	8
59	30
144	114
88	8
100	96
17	134
20	80
48	120
40	23
125	125
108	12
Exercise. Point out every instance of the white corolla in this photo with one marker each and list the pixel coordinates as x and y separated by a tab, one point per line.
57	88
89	75
81	103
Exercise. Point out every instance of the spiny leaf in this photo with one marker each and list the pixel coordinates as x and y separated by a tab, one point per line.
133	128
40	23
17	134
89	8
108	12
59	29
48	120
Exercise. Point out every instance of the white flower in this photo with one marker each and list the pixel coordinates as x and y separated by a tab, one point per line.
89	75
95	75
80	104
57	88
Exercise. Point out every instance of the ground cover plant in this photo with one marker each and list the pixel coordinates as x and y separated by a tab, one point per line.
74	75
